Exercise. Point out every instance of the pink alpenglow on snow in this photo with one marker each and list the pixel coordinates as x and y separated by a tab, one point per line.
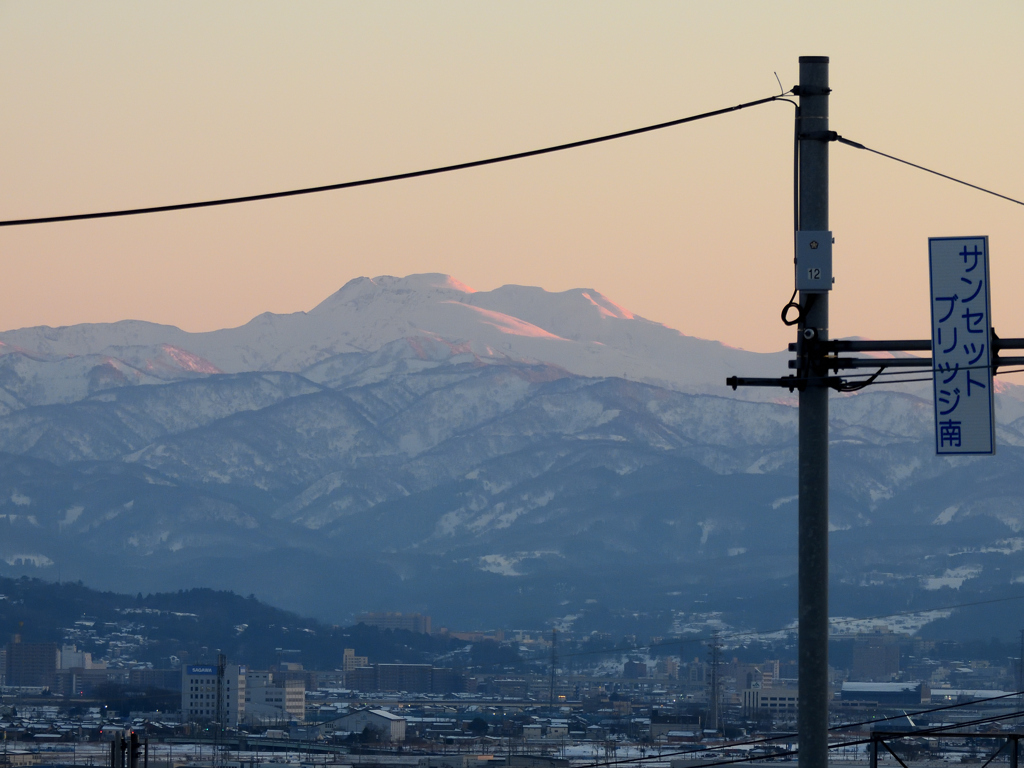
609	308
189	362
508	324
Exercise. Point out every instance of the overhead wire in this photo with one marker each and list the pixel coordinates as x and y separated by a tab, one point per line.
871	378
856	742
789	736
916	376
858	145
392	177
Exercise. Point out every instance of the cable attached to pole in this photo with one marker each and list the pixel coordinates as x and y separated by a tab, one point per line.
848	387
794	304
858	145
393	177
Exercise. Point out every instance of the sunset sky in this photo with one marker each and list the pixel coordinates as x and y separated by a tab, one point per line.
111	105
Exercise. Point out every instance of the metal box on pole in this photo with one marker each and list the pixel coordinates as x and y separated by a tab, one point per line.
813	261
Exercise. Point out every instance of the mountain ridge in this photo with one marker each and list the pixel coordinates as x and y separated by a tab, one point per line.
580	330
437	470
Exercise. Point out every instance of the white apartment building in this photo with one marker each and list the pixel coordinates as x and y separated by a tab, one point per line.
350	661
72	658
213	693
270	702
780	699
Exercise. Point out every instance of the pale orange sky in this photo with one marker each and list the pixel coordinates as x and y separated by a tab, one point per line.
118	104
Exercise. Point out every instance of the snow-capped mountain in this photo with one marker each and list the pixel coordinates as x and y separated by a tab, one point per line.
581	331
502	456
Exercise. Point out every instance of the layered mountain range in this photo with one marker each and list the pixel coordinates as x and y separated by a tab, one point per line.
492	458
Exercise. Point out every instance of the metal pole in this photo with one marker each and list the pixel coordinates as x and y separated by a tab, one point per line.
812	723
1020	666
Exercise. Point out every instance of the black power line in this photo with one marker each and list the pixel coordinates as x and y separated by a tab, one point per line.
788	736
394	177
858	145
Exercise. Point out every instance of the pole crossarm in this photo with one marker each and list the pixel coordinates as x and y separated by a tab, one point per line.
900	345
786	382
826	354
859	345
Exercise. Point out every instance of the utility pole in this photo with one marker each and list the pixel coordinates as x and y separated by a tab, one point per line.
221	671
816	356
554	661
714	694
1020	686
812	717
1020	666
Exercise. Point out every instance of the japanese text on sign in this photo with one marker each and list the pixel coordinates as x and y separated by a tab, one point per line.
961	345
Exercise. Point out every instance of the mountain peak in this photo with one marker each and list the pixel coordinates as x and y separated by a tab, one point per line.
579	330
362	289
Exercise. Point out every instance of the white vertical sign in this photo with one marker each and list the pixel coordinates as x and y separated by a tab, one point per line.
961	345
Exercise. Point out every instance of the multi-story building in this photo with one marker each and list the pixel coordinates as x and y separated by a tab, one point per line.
31	664
876	658
775	700
666	669
213	692
350	661
361	679
634	670
272	698
411	678
413	622
72	658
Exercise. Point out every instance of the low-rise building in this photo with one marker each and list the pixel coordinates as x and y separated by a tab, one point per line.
662	724
886	694
391	727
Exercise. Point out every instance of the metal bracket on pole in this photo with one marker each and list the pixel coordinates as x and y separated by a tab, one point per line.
819	136
807	90
809	350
